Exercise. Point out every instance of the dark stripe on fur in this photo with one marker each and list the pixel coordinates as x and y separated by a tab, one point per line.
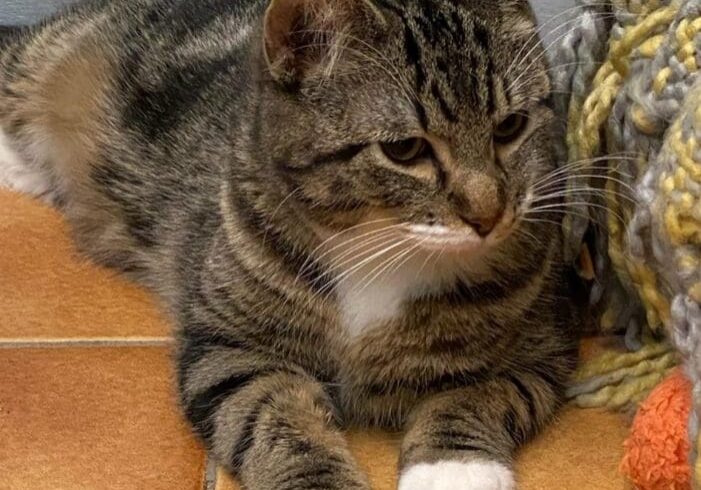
444	382
525	395
196	342
421	113
200	411
295	260
245	439
449	381
458	28
340	156
481	36
311	478
453	445
445	108
158	110
486	292
511	423
491	98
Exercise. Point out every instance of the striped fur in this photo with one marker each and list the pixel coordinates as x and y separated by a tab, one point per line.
232	165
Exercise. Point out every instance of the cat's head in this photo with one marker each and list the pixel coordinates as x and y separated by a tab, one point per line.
426	120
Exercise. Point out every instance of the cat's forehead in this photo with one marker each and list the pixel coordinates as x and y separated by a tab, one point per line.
460	51
510	19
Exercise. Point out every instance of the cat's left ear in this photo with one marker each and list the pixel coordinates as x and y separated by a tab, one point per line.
515	6
301	36
518	8
519	19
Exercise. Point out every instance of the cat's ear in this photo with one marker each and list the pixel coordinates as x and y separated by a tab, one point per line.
303	35
515	6
519	8
519	18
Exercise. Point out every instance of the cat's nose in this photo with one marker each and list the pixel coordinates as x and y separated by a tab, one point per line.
480	203
483	224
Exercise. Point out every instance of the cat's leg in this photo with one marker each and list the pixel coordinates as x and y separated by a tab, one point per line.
271	425
464	439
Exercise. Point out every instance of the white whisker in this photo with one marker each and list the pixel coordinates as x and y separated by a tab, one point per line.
538	31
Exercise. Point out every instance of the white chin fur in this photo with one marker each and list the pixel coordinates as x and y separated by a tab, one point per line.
456	475
436	236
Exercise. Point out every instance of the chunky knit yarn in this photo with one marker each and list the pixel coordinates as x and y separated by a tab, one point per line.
630	72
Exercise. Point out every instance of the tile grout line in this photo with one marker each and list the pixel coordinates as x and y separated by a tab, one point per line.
29	343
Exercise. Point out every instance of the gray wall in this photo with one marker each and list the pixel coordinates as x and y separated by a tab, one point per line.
27	11
545	10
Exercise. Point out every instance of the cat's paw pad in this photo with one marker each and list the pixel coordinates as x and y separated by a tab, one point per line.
456	475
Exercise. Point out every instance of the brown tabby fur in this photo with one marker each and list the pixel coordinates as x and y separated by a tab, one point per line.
212	152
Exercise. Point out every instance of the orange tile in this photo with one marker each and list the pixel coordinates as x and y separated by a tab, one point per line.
93	419
48	291
377	454
581	451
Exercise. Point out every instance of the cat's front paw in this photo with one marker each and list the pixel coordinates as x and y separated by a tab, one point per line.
456	475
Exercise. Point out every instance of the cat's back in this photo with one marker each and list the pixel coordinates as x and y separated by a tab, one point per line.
121	111
154	57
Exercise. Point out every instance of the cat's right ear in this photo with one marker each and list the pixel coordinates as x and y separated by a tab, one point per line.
303	35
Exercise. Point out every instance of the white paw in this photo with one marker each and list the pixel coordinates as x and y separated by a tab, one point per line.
455	475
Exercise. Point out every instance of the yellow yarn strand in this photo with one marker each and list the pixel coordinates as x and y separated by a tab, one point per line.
618	381
638	34
612	361
620	396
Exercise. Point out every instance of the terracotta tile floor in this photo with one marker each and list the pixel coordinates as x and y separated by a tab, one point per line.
86	396
87	399
89	418
47	291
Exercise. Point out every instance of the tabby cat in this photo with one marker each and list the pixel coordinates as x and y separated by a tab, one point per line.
334	199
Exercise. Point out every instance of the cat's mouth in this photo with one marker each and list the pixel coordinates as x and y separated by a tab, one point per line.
459	240
444	238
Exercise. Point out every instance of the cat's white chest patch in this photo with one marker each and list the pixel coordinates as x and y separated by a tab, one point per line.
369	300
364	306
377	272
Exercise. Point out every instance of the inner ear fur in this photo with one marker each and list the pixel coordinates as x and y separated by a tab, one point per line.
300	35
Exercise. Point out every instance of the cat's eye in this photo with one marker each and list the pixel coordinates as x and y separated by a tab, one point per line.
510	128
406	151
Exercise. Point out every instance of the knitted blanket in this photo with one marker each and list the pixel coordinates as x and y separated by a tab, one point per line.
626	75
